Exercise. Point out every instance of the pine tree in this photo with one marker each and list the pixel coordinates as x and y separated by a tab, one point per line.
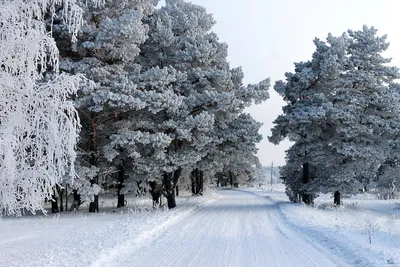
340	105
365	112
105	52
304	120
211	92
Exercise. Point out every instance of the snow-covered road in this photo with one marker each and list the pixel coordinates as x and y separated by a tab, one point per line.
240	229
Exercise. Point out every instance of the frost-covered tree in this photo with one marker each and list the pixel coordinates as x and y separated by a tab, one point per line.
38	124
304	119
180	38
105	52
341	114
388	179
236	153
154	110
365	111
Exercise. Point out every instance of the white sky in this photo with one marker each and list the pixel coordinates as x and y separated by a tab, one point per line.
266	37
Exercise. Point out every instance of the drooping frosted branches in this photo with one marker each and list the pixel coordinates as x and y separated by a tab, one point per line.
38	124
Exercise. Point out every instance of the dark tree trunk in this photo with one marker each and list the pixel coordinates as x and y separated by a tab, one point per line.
197	182
94	206
155	193
77	197
66	197
169	189
171	201
121	201
201	183
219	179
120	185
77	200
231	178
194	185
170	180
177	190
306	198
336	198
54	202
61	194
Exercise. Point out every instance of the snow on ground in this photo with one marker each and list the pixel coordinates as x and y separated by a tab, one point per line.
80	238
245	227
346	230
240	229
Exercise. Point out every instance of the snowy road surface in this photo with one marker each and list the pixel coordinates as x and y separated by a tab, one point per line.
239	229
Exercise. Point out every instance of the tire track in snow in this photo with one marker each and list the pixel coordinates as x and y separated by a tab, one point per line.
240	229
107	256
336	246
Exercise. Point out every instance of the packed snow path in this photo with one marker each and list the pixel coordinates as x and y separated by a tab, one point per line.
239	229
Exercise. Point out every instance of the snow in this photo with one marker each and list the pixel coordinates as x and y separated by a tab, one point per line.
245	227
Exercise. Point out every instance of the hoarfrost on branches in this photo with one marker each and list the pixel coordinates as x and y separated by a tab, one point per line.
38	124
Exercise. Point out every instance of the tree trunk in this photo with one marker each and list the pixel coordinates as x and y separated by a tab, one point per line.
336	198
66	197
177	190
155	194
77	200
197	182
201	183
94	206
231	178
120	185
61	194
171	201
121	201
169	189
194	185
54	202
219	179
77	197
306	198
170	181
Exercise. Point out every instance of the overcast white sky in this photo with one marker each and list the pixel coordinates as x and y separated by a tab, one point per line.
265	37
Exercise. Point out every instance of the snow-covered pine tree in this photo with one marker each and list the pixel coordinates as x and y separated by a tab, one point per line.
339	106
236	154
105	52
180	38
365	113
38	124
230	122
387	181
304	119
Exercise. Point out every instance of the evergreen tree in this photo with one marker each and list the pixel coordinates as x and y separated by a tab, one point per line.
158	96
211	92
365	112
340	105
105	52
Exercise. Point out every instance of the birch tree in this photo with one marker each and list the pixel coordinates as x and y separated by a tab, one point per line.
38	123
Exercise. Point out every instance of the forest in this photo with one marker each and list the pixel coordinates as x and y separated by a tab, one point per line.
139	99
122	96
